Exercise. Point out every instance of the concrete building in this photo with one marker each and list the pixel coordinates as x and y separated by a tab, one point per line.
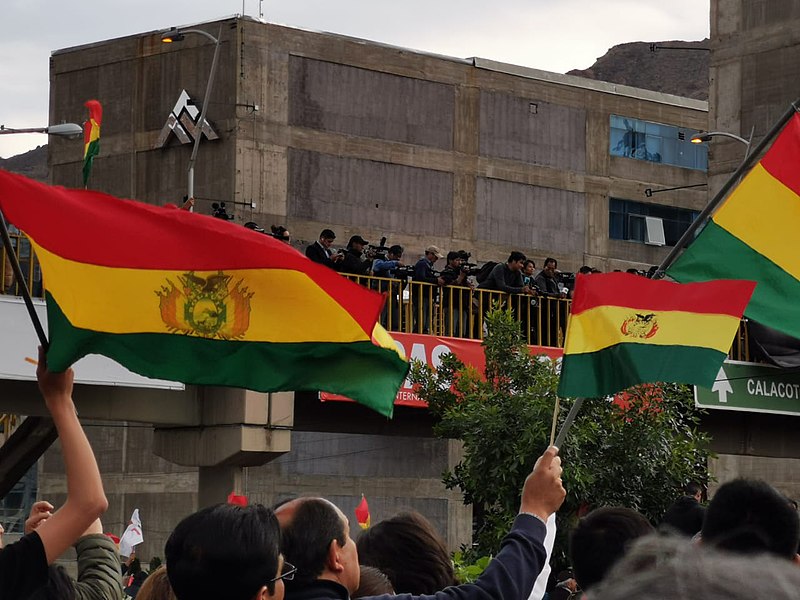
754	70
312	130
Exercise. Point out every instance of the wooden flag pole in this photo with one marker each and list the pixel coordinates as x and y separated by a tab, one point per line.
23	285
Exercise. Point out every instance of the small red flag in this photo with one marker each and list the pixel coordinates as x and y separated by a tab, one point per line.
237	500
362	513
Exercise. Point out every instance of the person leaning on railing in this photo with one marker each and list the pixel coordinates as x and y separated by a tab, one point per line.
456	296
386	268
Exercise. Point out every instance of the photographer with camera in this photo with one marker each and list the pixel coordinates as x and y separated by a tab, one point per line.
554	315
456	295
353	261
388	268
424	296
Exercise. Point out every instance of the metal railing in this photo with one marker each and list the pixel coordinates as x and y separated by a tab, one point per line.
412	306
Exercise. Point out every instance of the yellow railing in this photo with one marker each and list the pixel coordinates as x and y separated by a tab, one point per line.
8	423
411	306
453	311
27	262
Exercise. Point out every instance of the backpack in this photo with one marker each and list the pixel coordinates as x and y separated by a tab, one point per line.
483	273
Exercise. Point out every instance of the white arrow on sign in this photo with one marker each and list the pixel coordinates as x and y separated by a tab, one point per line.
722	386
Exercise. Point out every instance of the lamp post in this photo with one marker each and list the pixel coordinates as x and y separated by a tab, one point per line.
705	137
177	35
67	130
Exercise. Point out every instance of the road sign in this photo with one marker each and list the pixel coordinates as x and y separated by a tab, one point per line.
753	388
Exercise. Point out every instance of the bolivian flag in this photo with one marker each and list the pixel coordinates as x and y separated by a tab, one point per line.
362	513
753	235
625	330
186	297
91	137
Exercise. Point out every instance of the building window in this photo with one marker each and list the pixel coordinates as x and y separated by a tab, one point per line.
655	142
626	220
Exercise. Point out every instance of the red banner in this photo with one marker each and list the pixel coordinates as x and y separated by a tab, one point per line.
429	349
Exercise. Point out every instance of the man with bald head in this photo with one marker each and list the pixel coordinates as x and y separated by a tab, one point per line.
315	538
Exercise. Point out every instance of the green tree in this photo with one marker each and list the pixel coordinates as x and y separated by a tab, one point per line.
636	453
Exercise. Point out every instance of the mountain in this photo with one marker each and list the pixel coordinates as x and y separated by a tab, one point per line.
673	67
32	164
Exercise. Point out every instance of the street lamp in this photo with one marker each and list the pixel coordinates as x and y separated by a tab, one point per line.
67	130
705	137
177	35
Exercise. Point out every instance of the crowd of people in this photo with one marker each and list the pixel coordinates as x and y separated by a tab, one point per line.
744	544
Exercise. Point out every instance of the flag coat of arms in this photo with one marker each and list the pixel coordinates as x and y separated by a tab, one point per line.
625	330
176	295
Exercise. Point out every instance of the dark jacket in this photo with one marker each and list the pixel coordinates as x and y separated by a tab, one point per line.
684	516
319	255
510	576
353	263
503	279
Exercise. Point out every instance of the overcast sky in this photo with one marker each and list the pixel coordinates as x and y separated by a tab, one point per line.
554	35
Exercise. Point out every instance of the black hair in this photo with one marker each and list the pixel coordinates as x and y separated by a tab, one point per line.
327	234
531	262
224	551
550	259
600	539
397	250
411	553
373	582
452	255
693	488
750	516
308	535
516	256
585	270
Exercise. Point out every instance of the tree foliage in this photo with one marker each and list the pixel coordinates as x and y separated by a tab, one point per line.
637	452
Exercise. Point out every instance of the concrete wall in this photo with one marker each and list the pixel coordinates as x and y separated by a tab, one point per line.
318	130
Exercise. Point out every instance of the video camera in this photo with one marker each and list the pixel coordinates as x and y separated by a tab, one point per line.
278	232
218	211
378	251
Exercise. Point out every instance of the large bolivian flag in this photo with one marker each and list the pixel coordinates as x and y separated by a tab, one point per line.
186	297
625	329
753	235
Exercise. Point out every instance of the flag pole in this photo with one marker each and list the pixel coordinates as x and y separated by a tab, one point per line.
723	192
573	412
26	295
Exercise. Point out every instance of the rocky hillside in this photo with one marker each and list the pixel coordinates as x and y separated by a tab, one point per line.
676	67
32	164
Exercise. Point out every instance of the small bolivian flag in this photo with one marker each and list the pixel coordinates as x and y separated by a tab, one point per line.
91	137
625	330
362	513
176	295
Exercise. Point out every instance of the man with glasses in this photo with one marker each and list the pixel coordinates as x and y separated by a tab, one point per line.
227	551
315	537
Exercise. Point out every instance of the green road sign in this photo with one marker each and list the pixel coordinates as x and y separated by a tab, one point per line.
752	387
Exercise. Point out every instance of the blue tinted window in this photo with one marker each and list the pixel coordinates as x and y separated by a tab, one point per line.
656	142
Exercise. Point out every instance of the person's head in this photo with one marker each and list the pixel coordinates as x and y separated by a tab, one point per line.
226	551
600	539
156	586
357	243
395	252
373	582
279	232
529	267
432	253
411	553
454	259
516	260
750	516
135	567
585	270
316	539
667	568
59	586
694	489
326	237
550	267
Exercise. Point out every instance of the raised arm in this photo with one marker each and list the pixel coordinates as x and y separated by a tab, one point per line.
86	500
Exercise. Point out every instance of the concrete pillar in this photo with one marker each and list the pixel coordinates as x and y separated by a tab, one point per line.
215	483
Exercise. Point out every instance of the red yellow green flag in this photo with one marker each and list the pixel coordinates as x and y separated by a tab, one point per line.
362	513
91	137
752	236
625	330
185	297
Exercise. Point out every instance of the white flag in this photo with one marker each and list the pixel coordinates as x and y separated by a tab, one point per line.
132	536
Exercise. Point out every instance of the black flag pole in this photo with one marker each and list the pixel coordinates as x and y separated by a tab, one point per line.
687	237
23	284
